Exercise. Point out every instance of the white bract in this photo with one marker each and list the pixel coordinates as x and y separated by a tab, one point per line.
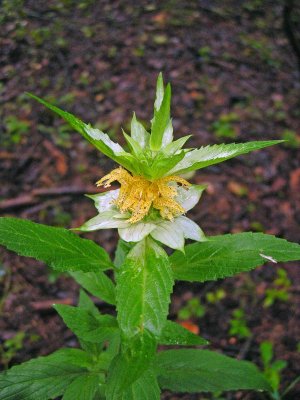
171	233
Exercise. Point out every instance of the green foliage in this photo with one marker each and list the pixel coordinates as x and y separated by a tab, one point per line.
292	140
161	117
210	155
238	325
146	271
86	325
224	128
146	388
227	255
175	334
192	309
15	129
215	297
45	378
119	359
272	369
206	371
279	291
57	247
135	358
10	347
204	53
98	284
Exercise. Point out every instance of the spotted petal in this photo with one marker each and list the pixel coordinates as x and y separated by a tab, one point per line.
189	198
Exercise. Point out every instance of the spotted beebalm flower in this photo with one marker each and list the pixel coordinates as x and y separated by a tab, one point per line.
141	207
153	197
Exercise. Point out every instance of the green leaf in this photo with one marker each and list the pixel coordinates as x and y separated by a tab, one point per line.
190	371
134	146
83	388
57	247
44	378
97	138
123	249
85	303
163	163
159	91
139	133
209	155
135	358
144	285
173	147
145	388
227	255
175	334
86	325
160	121
98	284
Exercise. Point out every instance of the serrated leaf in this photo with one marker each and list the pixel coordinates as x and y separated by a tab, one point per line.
144	285
44	378
160	121
135	358
227	255
145	388
98	284
209	155
187	370
175	334
86	325
83	388
96	137
59	248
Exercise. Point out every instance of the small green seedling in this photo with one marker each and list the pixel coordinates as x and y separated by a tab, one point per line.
292	140
10	348
215	297
279	291
192	309
15	129
238	325
224	126
272	369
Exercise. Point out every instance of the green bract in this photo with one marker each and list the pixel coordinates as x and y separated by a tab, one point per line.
118	359
155	154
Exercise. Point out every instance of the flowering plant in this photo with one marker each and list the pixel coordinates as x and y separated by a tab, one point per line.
118	359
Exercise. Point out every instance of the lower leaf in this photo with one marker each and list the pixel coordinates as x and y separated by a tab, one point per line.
44	378
206	371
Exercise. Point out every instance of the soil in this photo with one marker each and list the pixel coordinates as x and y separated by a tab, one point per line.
234	78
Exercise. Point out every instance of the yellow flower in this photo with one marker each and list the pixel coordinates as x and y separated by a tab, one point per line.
138	194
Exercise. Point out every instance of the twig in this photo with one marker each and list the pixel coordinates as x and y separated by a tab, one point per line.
32	199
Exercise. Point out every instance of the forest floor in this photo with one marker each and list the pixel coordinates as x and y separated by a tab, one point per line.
234	78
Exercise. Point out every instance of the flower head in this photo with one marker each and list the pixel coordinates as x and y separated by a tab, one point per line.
152	197
138	194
